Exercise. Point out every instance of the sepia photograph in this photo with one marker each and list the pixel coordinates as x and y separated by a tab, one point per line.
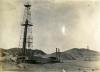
49	35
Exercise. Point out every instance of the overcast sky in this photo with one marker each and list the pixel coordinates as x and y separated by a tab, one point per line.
63	24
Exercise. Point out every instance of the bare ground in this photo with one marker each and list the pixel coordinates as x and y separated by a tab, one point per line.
66	66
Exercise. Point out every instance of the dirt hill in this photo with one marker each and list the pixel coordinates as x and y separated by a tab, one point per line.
77	54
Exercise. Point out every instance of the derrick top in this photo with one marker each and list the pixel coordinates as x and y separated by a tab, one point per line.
27	5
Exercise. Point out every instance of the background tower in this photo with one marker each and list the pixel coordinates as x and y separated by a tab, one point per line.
58	54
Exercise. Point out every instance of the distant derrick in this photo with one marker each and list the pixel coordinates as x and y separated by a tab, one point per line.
58	54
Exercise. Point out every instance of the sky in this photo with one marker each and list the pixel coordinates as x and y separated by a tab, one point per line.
63	24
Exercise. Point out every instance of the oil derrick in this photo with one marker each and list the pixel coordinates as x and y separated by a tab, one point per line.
27	30
87	58
58	54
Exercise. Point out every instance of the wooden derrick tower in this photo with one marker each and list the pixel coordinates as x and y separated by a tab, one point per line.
26	36
58	55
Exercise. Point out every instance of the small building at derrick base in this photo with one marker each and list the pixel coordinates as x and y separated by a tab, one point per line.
2	54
